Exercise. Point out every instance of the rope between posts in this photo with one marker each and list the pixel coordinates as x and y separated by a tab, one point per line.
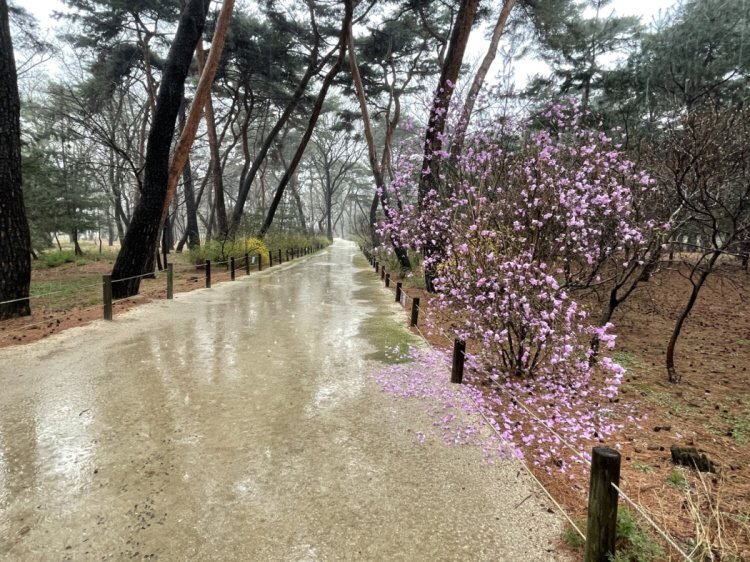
651	522
137	276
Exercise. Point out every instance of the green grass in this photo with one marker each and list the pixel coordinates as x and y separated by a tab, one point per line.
634	543
661	398
740	428
644	468
677	479
50	260
629	361
63	294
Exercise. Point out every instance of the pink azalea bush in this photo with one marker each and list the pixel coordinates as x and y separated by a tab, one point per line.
516	227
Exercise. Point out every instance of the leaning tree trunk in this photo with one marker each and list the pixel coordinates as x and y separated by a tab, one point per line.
433	143
222	223
377	173
317	108
672	373
192	234
139	244
15	240
476	84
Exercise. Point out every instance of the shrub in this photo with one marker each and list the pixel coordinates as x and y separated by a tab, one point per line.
220	251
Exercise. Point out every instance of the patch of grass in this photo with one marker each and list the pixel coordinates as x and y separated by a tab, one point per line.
54	259
390	340
661	398
677	479
634	542
571	537
629	361
740	428
63	294
644	468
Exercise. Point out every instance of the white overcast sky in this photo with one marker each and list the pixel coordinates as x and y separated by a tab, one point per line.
645	9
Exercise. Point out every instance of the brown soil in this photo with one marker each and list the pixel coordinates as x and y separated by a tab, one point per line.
52	315
709	409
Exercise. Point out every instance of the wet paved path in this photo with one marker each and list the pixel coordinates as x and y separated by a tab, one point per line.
239	423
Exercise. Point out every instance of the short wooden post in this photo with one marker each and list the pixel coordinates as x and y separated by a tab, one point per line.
247	263
170	280
387	280
377	267
601	530
382	272
279	255
260	260
208	274
398	291
459	353
414	311
231	268
107	294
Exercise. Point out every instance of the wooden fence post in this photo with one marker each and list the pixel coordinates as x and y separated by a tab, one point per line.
208	274
387	280
247	263
382	272
414	311
107	294
398	291
280	256
231	268
260	260
459	354
170	280
377	267
601	530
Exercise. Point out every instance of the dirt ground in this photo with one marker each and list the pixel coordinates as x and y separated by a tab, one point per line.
58	312
709	409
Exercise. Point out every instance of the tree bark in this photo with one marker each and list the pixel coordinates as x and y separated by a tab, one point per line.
139	244
481	74
15	240
377	173
192	234
222	223
433	143
202	99
317	108
674	377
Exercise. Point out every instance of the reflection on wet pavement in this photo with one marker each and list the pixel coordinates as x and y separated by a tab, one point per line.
238	423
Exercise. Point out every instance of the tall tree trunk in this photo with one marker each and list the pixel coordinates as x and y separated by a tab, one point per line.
213	143
202	99
192	234
317	108
433	143
247	181
481	74
15	240
139	245
377	173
